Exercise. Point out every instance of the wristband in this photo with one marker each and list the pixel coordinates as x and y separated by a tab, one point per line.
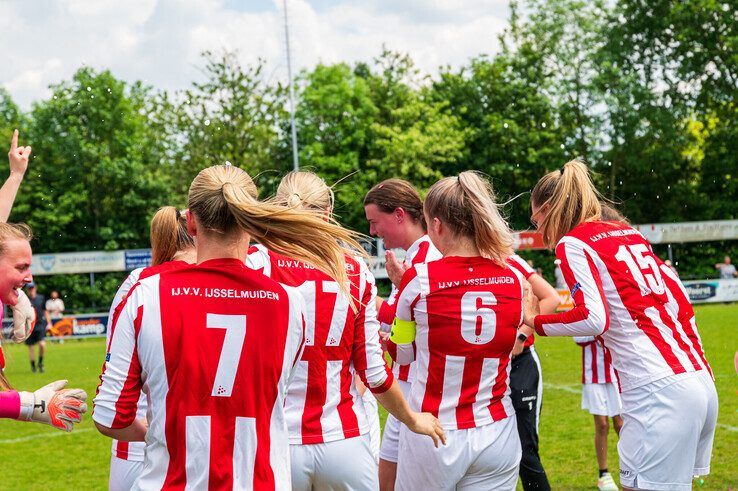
403	332
10	404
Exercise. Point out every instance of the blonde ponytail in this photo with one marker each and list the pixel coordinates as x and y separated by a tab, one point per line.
301	189
466	204
168	235
220	198
571	198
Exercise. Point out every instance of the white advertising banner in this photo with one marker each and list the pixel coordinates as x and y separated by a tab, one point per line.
89	262
705	291
664	233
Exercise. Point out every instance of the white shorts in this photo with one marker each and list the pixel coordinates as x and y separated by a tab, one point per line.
668	429
372	418
123	473
601	399
487	457
391	437
340	465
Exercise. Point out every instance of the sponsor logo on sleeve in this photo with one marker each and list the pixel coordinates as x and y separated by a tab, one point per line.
577	286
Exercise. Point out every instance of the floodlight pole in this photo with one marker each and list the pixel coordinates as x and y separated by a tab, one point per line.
295	160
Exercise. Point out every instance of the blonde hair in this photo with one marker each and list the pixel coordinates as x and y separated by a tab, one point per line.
14	231
301	189
4	384
466	204
168	235
571	198
221	200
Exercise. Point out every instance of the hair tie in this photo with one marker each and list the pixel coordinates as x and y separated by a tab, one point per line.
179	215
561	171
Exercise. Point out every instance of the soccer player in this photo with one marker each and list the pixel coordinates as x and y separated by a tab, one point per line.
458	318
526	382
623	295
326	418
213	345
172	248
51	404
38	336
601	398
394	211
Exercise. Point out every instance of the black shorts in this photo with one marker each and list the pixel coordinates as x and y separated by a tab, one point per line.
36	336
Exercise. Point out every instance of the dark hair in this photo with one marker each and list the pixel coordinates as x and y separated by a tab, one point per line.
391	194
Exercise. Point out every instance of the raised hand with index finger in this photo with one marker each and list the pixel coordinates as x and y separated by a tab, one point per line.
18	156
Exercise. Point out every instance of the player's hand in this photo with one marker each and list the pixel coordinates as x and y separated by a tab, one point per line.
395	268
530	305
427	424
18	156
54	405
24	318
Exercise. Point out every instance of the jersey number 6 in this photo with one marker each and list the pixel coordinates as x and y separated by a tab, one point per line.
478	320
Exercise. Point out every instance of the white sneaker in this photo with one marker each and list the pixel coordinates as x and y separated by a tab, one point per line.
605	483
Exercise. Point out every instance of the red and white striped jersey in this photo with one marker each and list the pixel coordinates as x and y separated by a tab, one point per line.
467	311
681	308
525	269
421	251
341	336
134	450
213	347
620	294
596	361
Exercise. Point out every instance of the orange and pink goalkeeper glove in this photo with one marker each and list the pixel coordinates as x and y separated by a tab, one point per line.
53	405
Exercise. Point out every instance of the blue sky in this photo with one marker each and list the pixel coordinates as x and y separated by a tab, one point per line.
159	41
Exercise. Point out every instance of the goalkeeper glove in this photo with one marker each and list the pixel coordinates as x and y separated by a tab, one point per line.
24	318
53	405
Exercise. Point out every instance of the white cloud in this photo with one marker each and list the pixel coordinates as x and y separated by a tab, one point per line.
159	41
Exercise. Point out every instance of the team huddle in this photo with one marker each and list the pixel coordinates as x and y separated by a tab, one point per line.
252	353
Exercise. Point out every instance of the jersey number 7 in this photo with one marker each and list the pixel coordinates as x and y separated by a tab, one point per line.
230	354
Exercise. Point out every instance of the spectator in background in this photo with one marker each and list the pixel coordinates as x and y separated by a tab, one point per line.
38	336
727	270
560	282
671	266
55	306
538	271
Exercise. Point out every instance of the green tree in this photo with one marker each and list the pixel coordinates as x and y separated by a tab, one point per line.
369	123
510	124
234	115
99	173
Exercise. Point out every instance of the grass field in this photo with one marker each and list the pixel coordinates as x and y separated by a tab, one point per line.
38	457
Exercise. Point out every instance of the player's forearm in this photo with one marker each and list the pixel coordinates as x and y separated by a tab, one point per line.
136	432
395	404
580	321
548	305
8	193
